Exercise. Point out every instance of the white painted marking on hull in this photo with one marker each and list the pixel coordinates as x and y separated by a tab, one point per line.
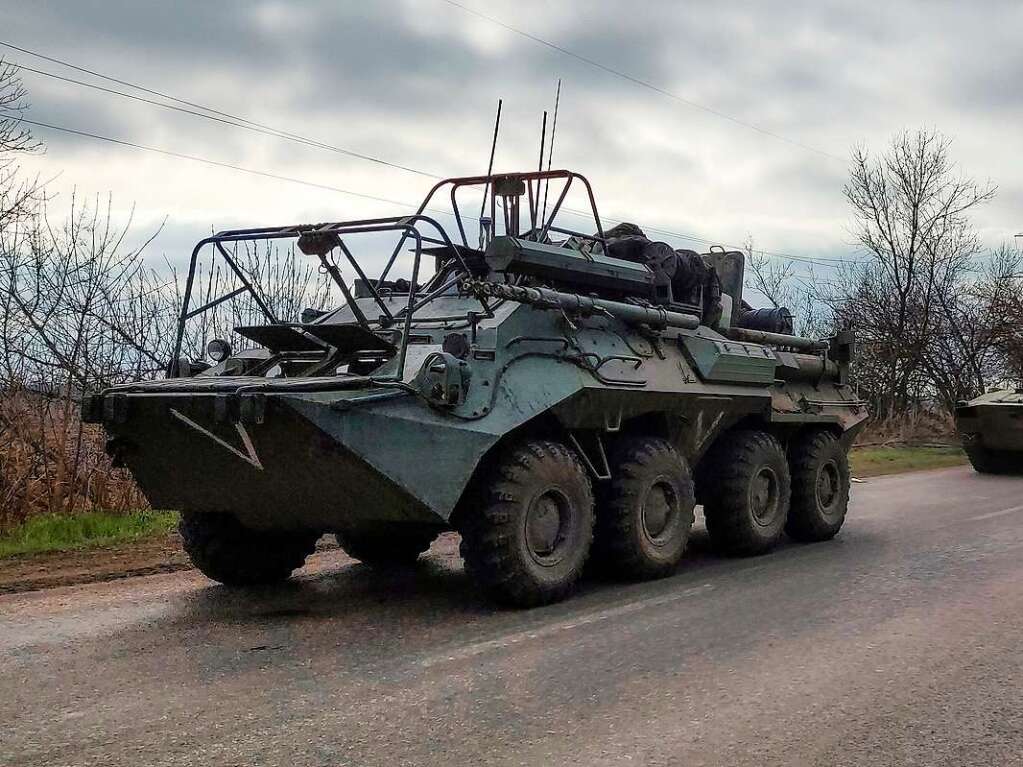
250	456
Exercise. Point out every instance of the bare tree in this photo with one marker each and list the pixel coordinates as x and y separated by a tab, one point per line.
1000	291
81	308
776	280
772	278
16	195
911	213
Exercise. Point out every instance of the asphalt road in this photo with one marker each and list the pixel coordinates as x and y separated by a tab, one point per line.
901	642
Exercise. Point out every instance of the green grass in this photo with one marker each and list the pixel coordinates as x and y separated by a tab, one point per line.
63	532
875	461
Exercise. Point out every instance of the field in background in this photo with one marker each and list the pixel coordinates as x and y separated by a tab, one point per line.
876	461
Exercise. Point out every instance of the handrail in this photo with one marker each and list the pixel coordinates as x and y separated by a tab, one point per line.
407	225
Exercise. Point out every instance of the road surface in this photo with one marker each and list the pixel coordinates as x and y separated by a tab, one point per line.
901	642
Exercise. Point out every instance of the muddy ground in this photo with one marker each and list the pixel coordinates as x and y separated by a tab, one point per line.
150	556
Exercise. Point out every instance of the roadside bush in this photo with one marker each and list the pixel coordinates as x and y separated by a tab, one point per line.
52	463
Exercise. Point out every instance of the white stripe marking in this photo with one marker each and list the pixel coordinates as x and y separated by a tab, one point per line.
478	648
991	514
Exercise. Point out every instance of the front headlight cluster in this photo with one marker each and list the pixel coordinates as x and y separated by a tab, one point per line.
443	379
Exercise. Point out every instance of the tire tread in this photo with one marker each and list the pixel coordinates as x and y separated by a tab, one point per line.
488	540
732	462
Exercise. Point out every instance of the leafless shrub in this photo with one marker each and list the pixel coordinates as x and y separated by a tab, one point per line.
17	195
284	282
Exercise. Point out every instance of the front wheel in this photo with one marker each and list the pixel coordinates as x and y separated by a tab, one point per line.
749	498
528	538
820	487
225	550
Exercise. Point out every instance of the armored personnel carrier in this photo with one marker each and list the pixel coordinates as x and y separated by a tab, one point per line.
991	428
553	393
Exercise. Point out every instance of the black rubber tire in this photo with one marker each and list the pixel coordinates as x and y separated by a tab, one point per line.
644	470
386	549
988	461
820	486
745	465
226	551
505	534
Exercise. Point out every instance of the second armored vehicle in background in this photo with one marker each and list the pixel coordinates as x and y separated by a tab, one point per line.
991	428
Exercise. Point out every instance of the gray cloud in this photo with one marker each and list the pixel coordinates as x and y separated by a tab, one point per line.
416	82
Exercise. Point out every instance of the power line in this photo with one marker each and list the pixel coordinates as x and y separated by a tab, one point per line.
655	88
219	164
328	187
643	83
236	121
224	118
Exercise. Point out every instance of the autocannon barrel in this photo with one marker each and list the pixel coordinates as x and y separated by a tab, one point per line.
575	303
777	339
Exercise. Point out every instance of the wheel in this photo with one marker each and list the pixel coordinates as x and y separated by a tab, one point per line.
235	555
527	539
645	513
747	506
820	487
994	461
386	548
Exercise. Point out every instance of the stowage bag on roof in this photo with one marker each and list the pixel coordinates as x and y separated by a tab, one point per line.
693	280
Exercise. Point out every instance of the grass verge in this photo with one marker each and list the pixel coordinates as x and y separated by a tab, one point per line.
60	532
875	461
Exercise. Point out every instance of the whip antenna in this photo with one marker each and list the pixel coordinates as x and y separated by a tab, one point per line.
550	154
534	206
490	169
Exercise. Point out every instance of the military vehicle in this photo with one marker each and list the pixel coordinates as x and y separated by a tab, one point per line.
553	393
991	428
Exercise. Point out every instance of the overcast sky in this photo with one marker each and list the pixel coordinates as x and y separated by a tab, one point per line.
416	82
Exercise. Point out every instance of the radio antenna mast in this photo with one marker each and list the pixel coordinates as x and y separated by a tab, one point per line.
490	170
534	205
550	155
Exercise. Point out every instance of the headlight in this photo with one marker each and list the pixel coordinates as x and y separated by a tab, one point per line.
218	350
443	379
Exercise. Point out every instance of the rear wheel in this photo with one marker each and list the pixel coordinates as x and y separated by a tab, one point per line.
527	540
748	492
988	461
645	514
386	549
820	487
227	551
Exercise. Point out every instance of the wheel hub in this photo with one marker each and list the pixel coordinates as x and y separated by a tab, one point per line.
764	495
659	509
546	521
828	483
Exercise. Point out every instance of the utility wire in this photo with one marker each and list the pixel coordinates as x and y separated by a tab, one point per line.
224	118
236	121
219	164
642	83
328	187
